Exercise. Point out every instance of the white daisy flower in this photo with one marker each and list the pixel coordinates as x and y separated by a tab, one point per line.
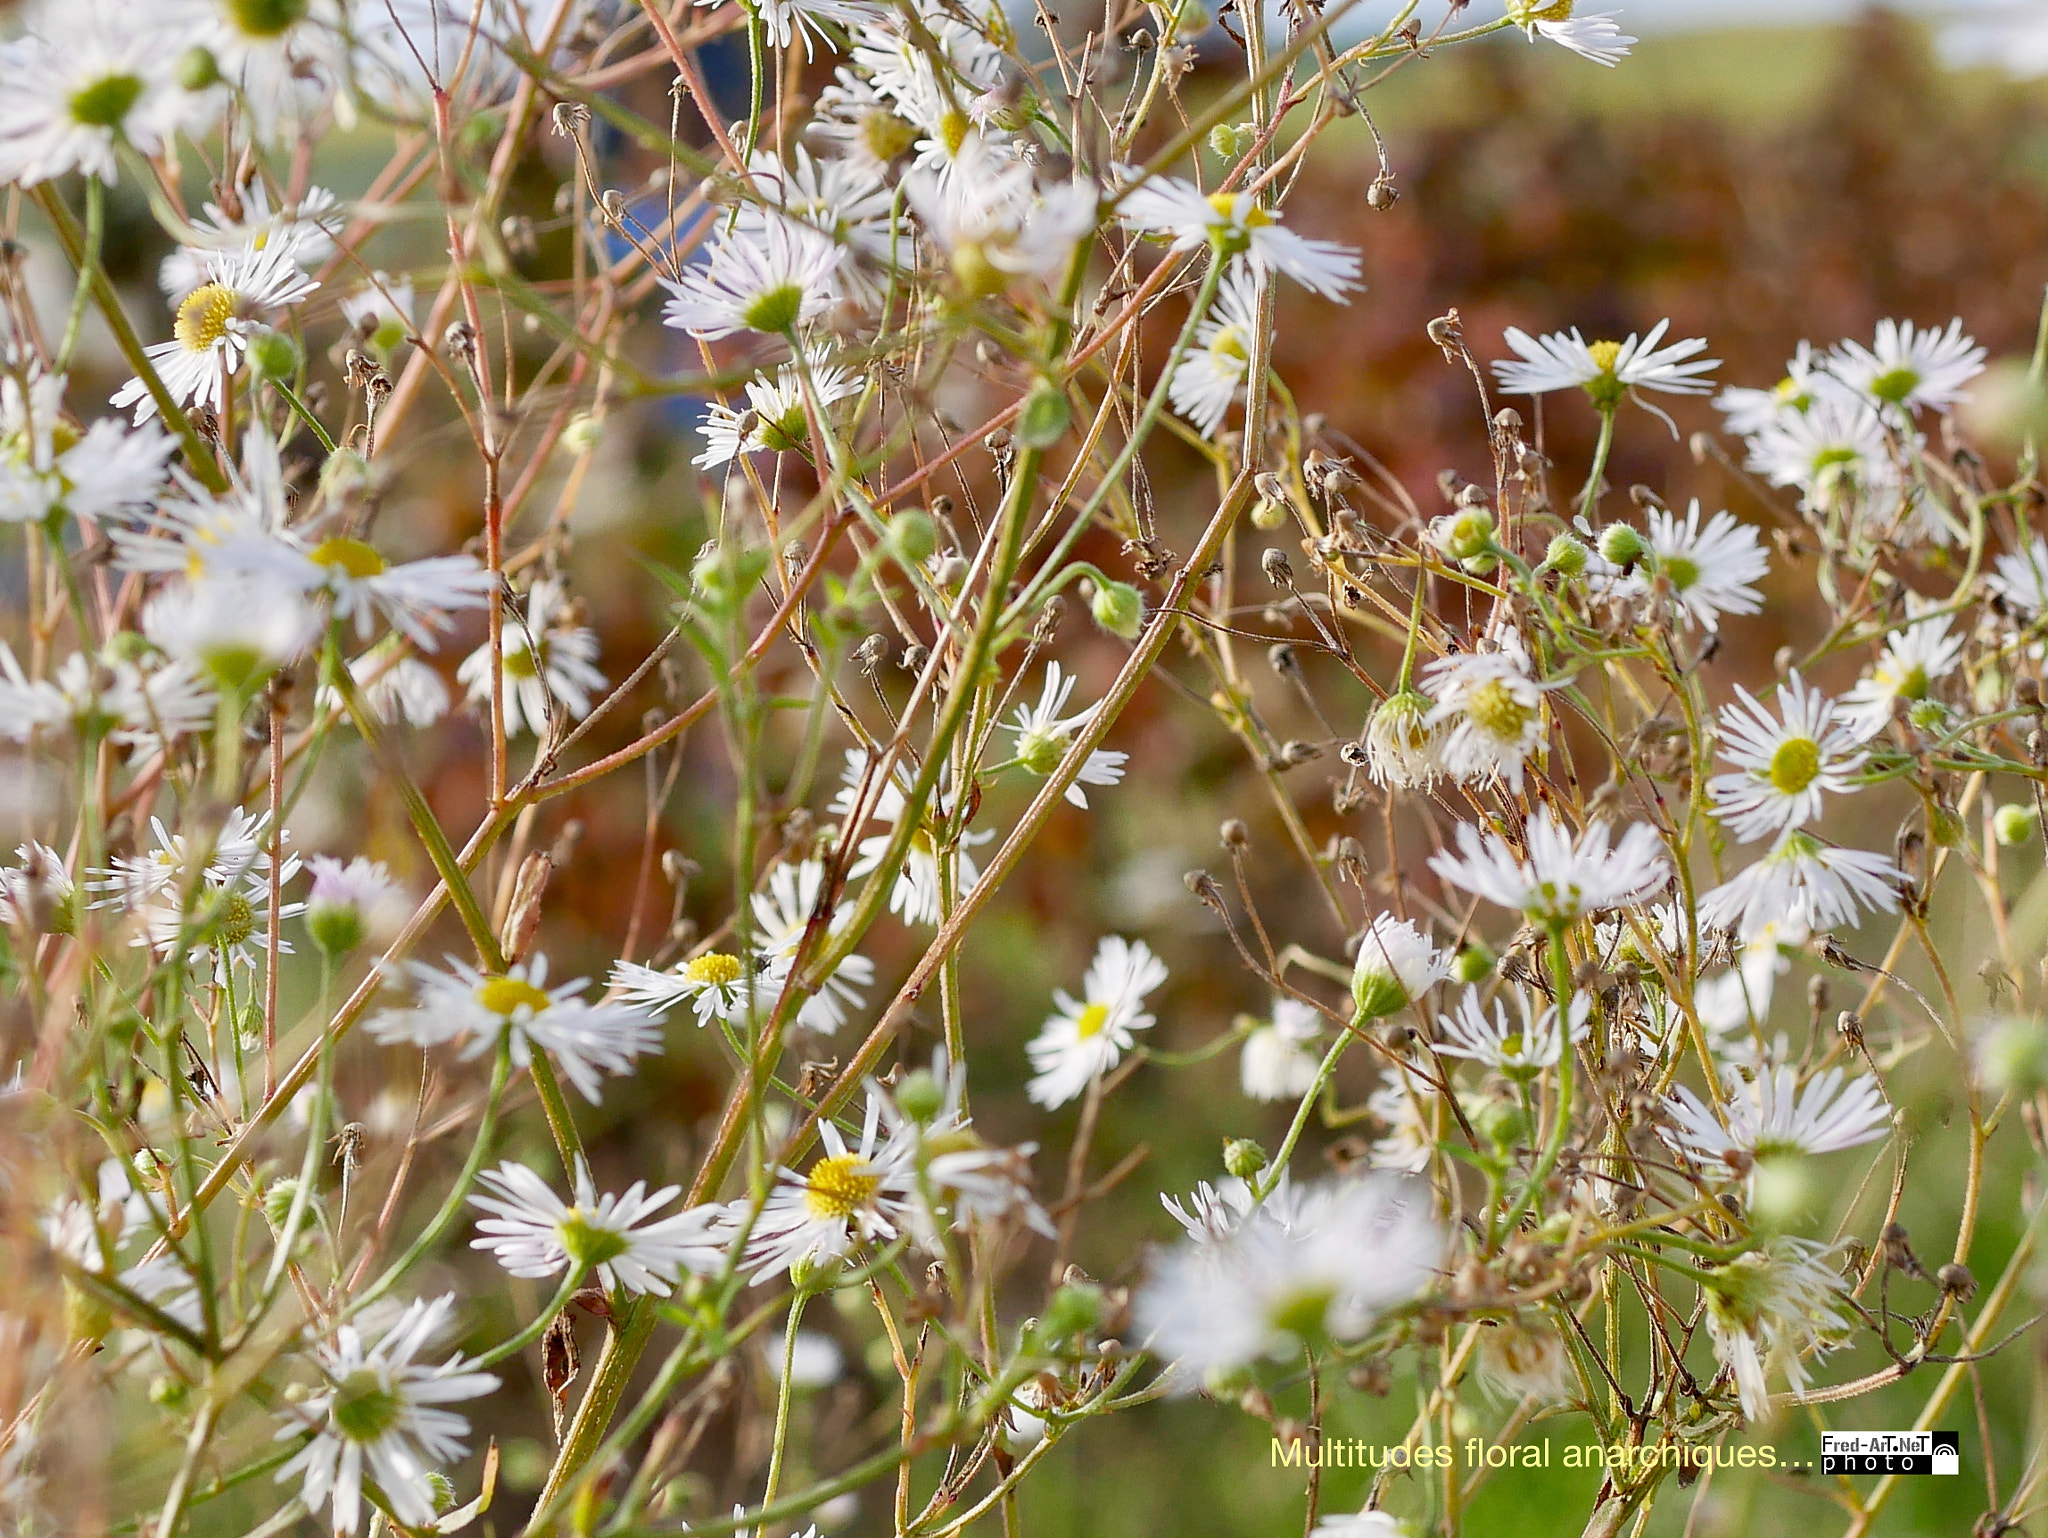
280	58
1490	710
965	1182
1705	572
1212	372
770	281
90	78
915	894
943	81
133	706
1561	878
782	916
1915	657
1834	452
547	656
849	1197
847	202
36	893
1594	35
1741	996
1396	965
198	533
1278	1060
1214	1213
303	229
1806	883
1043	735
1404	743
1750	410
775	420
1522	1048
1787	763
380	1416
1768	1309
1370	1523
1772	1117
351	902
2021	578
476	1010
1910	368
1606	371
212	898
214	325
1236	224
787	21
717	986
993	220
1354	1249
534	1233
1090	1034
395	689
109	470
235	631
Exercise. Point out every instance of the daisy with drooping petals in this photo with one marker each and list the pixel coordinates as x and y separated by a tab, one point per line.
1909	368
214	325
534	1233
1043	735
478	1010
1278	1060
1805	883
1594	36
379	1416
1768	1309
1404	744
1606	371
782	916
1236	224
769	280
1212	372
1396	965
850	1196
1915	658
1090	1034
1787	763
1773	1117
1562	877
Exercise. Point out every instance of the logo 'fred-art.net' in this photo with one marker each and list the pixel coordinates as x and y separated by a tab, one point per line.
1891	1452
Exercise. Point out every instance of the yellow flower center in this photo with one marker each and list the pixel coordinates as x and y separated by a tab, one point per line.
203	316
839	1186
504	995
714	969
350	556
1605	355
1794	765
1495	710
1092	1020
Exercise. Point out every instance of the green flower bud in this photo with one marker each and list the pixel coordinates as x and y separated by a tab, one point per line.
583	433
1075	1308
197	69
1224	141
1466	535
336	927
2014	1057
1929	716
920	1096
1621	545
274	355
1118	608
1502	1123
1244	1158
1045	417
1567	554
169	1393
2015	822
1269	513
911	537
1944	827
1474	963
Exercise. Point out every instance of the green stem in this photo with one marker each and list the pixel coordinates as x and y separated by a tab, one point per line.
1600	451
540	1323
303	412
1567	1074
89	266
